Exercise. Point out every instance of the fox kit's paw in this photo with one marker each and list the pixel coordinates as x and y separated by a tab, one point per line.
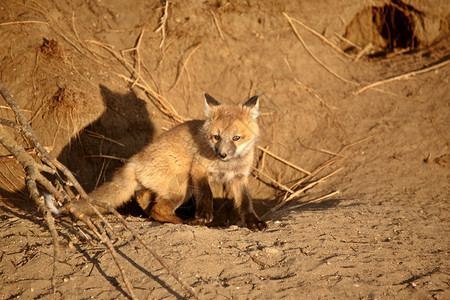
258	225
198	221
203	216
252	222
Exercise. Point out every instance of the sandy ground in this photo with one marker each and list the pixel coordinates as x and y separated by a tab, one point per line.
384	235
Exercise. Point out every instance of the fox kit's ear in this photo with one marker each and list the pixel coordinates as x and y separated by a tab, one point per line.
209	103
252	105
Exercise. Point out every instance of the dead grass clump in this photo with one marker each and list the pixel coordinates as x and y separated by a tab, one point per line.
50	48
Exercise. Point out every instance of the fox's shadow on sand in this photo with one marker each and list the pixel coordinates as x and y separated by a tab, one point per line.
103	146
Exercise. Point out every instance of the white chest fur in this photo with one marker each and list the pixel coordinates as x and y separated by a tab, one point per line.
223	173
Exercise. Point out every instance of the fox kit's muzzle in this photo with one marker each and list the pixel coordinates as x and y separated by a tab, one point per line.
224	150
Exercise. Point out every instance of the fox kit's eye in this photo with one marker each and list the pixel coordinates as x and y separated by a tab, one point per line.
216	137
236	138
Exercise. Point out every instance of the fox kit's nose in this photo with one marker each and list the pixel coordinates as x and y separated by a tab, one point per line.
222	155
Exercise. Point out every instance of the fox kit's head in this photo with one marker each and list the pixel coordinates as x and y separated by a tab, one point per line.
231	129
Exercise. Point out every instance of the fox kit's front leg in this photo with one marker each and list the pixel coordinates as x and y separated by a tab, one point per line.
243	202
204	211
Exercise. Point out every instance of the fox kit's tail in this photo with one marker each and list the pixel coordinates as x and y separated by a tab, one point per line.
115	192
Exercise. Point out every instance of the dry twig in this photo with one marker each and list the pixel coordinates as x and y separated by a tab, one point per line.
8	158
348	41
284	161
272	181
336	48
182	65
162	26
315	200
23	22
365	50
289	19
216	22
101	136
404	76
138	57
310	185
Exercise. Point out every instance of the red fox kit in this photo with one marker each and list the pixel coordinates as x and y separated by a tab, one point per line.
182	162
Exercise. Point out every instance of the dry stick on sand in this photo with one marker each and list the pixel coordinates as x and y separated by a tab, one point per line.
182	66
336	48
216	22
314	56
162	26
310	185
121	159
403	76
348	41
305	179
33	170
138	57
284	161
315	200
8	158
48	216
365	50
332	153
272	181
298	192
23	22
102	137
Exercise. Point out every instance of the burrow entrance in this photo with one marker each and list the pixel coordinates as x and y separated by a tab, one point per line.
395	26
